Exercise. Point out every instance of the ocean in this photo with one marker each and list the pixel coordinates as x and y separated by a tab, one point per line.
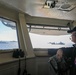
5	45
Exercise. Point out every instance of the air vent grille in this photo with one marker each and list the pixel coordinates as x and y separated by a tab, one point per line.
67	7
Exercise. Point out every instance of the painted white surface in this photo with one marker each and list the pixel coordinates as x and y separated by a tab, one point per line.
35	8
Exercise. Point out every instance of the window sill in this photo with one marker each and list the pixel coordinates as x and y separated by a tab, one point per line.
7	58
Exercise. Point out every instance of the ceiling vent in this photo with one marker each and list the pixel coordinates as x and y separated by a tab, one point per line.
66	7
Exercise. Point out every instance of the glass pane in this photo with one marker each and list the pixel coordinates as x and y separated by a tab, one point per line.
50	41
8	35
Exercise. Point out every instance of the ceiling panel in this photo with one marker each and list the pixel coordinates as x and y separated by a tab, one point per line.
35	8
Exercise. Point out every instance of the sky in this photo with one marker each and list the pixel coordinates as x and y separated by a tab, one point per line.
7	33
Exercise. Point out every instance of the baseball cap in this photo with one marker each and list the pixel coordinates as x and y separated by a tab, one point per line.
72	30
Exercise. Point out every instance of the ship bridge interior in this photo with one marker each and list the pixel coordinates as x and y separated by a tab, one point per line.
49	17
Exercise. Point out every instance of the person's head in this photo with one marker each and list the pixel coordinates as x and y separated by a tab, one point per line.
59	53
73	32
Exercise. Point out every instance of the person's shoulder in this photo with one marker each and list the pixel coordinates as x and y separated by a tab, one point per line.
52	57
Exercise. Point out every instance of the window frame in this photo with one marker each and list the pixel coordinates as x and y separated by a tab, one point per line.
11	50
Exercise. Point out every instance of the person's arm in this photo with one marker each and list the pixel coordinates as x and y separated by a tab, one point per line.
53	63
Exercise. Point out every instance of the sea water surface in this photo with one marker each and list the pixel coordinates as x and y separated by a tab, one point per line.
4	45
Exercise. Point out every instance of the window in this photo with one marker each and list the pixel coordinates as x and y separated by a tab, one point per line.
8	35
49	37
50	41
